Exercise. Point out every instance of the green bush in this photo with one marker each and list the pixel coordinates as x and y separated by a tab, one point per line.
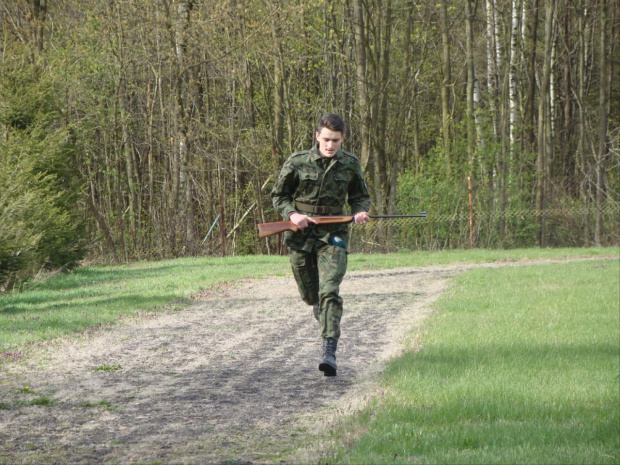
40	226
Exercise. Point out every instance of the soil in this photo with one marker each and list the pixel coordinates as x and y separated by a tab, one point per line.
232	379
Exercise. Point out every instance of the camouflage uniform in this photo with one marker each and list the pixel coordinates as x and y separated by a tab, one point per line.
317	186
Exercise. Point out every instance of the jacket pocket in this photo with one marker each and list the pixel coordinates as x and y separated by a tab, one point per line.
308	185
341	180
308	176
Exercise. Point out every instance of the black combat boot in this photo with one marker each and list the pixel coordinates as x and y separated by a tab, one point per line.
328	365
315	310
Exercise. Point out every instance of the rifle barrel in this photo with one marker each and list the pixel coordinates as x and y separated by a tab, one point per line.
421	215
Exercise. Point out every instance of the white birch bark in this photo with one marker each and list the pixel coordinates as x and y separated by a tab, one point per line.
477	113
512	78
492	62
523	27
498	46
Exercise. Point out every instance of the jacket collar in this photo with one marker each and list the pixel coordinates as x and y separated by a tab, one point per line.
315	155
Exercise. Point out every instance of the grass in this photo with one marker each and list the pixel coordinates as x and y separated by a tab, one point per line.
92	297
103	404
518	365
108	368
38	402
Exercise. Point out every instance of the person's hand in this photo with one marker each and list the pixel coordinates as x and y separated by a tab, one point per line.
302	221
362	218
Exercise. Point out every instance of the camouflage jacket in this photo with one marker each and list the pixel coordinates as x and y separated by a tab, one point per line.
306	186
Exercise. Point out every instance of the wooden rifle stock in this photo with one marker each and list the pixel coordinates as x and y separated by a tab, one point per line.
269	229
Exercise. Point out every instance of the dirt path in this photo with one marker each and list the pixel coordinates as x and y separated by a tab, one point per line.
232	379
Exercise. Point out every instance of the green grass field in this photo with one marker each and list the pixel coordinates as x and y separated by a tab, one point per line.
90	297
518	365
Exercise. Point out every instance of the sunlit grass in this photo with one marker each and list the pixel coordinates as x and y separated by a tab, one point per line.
445	257
93	296
518	365
99	295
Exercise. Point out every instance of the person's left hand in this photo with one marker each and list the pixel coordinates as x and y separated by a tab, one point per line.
361	218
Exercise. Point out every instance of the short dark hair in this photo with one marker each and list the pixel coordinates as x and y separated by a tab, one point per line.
331	122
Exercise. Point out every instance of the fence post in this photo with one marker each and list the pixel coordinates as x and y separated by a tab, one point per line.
471	215
223	225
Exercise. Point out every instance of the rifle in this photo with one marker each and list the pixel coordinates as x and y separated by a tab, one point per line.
269	229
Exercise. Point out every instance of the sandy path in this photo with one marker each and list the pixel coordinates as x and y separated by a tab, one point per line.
232	379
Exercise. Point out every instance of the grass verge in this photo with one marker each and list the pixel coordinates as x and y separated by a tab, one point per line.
518	365
91	297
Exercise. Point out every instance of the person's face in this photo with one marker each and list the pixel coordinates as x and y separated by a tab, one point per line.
329	141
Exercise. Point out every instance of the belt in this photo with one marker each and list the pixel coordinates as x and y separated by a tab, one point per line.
319	209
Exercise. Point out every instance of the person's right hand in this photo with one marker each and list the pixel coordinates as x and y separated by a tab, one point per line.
302	221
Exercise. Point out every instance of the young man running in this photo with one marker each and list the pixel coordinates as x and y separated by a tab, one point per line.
319	182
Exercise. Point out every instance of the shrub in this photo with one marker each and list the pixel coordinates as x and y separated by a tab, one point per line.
40	226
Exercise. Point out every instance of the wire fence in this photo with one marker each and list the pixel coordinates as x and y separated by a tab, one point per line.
561	227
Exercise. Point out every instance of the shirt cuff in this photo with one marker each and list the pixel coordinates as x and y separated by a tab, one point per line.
287	211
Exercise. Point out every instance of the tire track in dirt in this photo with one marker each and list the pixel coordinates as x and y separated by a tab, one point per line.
232	379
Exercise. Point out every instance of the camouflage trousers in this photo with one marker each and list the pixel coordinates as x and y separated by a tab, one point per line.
318	274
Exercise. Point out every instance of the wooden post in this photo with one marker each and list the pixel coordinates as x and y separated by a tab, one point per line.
223	225
471	215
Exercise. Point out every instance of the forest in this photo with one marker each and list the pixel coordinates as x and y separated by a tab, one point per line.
150	129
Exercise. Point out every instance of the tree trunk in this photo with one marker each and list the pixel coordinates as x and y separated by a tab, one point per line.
602	128
416	128
529	123
362	89
493	60
551	119
130	168
381	155
36	16
184	193
278	97
512	80
469	47
543	136
445	85
96	213
580	162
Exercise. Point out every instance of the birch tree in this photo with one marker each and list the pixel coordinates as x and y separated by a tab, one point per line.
512	77
493	62
530	99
